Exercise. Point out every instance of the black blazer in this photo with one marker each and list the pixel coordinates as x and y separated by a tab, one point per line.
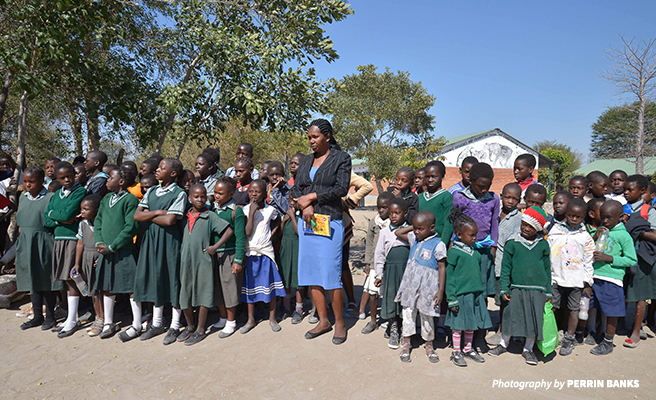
331	182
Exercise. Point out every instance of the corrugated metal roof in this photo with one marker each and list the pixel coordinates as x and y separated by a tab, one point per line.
457	139
611	164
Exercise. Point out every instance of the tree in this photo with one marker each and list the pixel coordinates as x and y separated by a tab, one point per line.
378	115
614	132
420	154
222	60
634	73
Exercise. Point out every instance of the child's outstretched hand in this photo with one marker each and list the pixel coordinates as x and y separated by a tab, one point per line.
454	308
236	268
603	257
506	297
378	282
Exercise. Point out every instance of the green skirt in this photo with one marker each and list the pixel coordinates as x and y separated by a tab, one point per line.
115	272
34	261
472	313
642	285
487	271
524	314
395	263
288	257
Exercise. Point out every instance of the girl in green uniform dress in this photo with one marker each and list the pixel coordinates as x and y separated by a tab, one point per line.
198	275
157	278
114	240
34	250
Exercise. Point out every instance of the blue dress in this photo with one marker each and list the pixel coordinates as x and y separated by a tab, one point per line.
320	257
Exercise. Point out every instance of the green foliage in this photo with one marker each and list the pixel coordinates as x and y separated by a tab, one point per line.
378	115
420	154
614	132
567	161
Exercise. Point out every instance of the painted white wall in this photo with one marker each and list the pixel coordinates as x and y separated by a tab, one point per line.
495	150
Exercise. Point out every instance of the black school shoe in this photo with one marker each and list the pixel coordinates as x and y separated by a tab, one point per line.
48	324
152	331
603	348
171	336
458	359
32	323
195	338
185	334
62	333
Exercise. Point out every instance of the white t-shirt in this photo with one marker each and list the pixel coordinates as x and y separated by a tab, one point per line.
259	242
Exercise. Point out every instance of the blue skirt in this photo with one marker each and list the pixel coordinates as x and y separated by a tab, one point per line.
320	257
262	281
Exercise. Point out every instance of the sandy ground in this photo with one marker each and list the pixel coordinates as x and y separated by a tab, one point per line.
263	364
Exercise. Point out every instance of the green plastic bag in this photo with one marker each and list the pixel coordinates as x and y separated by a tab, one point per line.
549	331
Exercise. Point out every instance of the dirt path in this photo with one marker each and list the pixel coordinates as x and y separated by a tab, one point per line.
263	364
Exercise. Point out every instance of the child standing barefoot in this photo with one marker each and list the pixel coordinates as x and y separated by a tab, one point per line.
198	275
61	214
422	287
230	256
34	250
525	284
115	229
157	278
262	281
86	256
464	291
390	259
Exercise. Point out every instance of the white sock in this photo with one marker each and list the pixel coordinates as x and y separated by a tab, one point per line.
505	339
528	346
230	327
71	319
136	314
108	307
299	307
158	316
221	324
175	318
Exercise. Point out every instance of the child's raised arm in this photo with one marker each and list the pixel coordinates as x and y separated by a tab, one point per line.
402	233
248	229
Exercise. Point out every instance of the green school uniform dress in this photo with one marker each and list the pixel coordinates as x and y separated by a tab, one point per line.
288	258
465	290
198	272
232	252
526	277
439	203
89	254
157	278
116	227
64	206
34	246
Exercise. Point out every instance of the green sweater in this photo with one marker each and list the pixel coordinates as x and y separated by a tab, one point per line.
526	266
238	240
115	225
439	204
64	206
621	247
463	272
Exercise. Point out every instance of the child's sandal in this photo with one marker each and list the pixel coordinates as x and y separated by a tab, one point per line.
430	353
405	350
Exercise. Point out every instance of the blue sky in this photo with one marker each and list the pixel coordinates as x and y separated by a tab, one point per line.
529	68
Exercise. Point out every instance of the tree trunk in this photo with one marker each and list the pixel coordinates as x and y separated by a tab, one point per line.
22	134
4	94
379	186
93	132
640	140
76	128
182	145
171	117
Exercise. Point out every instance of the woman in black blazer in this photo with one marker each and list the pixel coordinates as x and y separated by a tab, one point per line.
322	180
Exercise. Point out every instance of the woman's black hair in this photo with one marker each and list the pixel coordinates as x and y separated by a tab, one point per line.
92	199
439	164
325	128
35	171
481	170
460	220
230	183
